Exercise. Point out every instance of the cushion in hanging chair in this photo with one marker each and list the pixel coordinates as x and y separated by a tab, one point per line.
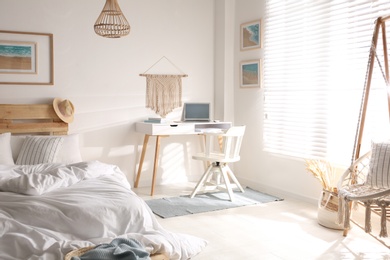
379	172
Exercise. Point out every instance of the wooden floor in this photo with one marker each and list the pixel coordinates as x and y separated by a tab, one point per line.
283	230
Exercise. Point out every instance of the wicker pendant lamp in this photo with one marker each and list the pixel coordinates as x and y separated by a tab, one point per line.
111	23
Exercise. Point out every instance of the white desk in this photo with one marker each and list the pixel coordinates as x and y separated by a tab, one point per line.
167	129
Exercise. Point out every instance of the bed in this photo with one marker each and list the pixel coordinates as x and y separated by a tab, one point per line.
52	203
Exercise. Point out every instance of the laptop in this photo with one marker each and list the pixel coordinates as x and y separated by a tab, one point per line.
196	112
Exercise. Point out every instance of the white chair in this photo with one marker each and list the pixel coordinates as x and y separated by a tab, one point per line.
220	149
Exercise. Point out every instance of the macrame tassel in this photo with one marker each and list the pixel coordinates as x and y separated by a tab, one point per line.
367	226
383	206
346	214
340	210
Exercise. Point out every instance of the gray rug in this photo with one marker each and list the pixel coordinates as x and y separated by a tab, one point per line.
184	205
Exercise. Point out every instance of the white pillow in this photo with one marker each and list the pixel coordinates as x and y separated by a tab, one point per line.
69	152
16	145
379	173
5	149
36	150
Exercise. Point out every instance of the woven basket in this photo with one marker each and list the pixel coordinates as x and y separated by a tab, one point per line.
328	206
78	252
329	201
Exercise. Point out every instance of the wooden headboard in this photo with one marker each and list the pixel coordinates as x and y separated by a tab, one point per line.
27	119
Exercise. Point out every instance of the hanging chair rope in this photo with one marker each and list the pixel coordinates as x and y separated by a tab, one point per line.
362	102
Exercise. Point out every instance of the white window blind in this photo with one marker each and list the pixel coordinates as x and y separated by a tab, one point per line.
315	62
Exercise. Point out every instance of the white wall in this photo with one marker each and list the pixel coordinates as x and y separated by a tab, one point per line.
101	76
268	172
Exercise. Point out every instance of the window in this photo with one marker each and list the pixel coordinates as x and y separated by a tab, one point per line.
315	62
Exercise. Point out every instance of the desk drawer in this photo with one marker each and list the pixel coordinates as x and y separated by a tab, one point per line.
165	129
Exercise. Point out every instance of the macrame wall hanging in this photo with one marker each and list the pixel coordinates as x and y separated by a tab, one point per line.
163	90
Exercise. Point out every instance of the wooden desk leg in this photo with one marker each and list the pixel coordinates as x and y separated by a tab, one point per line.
141	161
155	163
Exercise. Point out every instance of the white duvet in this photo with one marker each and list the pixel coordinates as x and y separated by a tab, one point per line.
48	210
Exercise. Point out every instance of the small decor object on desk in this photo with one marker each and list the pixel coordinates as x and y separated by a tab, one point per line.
328	203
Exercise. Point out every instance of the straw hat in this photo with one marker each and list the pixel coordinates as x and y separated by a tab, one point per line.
64	109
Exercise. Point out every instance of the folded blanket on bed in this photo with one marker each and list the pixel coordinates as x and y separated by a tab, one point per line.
119	248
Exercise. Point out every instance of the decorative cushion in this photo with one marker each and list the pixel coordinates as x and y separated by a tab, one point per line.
37	149
5	149
69	152
379	173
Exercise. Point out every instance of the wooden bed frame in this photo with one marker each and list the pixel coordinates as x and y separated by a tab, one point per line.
37	119
31	119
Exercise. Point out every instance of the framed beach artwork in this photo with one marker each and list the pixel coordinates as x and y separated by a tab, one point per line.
250	74
26	58
251	35
18	57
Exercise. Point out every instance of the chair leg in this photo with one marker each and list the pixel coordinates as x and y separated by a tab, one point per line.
202	181
227	181
231	174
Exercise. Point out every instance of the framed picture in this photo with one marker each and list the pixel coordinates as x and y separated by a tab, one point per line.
250	74
26	58
251	35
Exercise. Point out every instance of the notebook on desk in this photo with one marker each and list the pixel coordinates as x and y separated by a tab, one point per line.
196	112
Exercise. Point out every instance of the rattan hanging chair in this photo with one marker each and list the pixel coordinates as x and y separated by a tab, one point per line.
357	184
